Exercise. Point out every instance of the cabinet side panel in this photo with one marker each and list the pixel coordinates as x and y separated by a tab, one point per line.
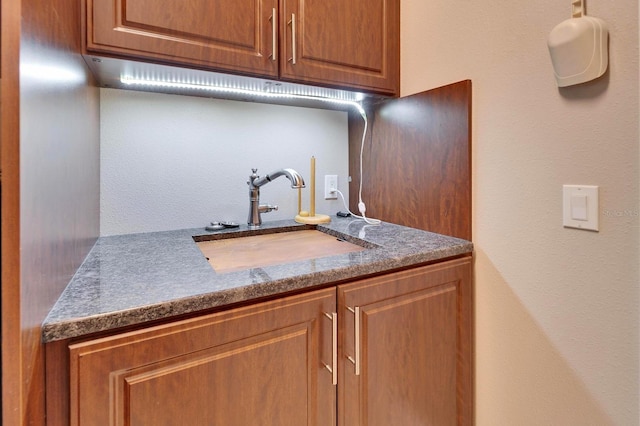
417	160
57	382
466	346
50	203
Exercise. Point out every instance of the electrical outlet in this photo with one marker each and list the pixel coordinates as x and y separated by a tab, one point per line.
330	187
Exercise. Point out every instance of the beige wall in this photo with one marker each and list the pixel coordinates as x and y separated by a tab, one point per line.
556	309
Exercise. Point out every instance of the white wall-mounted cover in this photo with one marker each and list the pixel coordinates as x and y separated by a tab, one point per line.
579	51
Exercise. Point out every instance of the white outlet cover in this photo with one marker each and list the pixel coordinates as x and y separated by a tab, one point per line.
580	208
330	182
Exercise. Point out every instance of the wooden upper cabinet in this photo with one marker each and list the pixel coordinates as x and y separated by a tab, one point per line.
343	44
233	35
355	44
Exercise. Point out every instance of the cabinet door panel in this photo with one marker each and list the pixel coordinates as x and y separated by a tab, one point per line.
354	43
252	373
337	38
194	20
415	348
234	35
257	365
424	326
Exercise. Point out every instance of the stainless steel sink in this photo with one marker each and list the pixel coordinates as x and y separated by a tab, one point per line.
254	251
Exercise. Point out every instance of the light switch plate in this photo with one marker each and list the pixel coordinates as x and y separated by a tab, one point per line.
580	207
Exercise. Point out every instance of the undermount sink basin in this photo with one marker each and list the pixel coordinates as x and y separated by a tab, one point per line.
235	254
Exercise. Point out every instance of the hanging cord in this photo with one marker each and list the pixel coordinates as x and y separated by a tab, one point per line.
366	219
361	206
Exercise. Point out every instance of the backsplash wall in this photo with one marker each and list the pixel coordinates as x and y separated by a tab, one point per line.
172	162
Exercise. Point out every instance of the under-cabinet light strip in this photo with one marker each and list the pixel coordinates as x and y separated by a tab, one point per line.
240	91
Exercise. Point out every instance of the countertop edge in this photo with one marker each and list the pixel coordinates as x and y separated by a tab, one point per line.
53	330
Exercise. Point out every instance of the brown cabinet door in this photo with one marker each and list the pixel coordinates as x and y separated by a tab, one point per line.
354	44
231	35
259	365
409	336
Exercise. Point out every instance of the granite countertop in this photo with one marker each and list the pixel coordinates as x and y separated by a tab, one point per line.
135	278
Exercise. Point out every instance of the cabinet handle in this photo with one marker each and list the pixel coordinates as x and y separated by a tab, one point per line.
356	361
333	369
292	22
274	34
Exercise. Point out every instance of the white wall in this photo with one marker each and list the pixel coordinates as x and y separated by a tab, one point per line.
556	309
173	162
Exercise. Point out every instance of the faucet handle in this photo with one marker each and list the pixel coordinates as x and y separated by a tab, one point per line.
253	176
266	208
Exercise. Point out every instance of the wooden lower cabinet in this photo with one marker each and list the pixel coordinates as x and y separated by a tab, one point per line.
407	348
402	344
260	365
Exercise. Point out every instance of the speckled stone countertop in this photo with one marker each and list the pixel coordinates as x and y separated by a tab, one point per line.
135	278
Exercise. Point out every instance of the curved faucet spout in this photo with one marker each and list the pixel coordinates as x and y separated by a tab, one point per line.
255	182
292	175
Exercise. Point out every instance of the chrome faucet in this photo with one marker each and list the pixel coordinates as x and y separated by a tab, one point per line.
255	182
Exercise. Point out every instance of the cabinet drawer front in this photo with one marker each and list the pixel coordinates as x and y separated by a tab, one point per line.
231	35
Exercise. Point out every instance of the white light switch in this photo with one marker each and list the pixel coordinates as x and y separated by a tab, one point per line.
580	207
